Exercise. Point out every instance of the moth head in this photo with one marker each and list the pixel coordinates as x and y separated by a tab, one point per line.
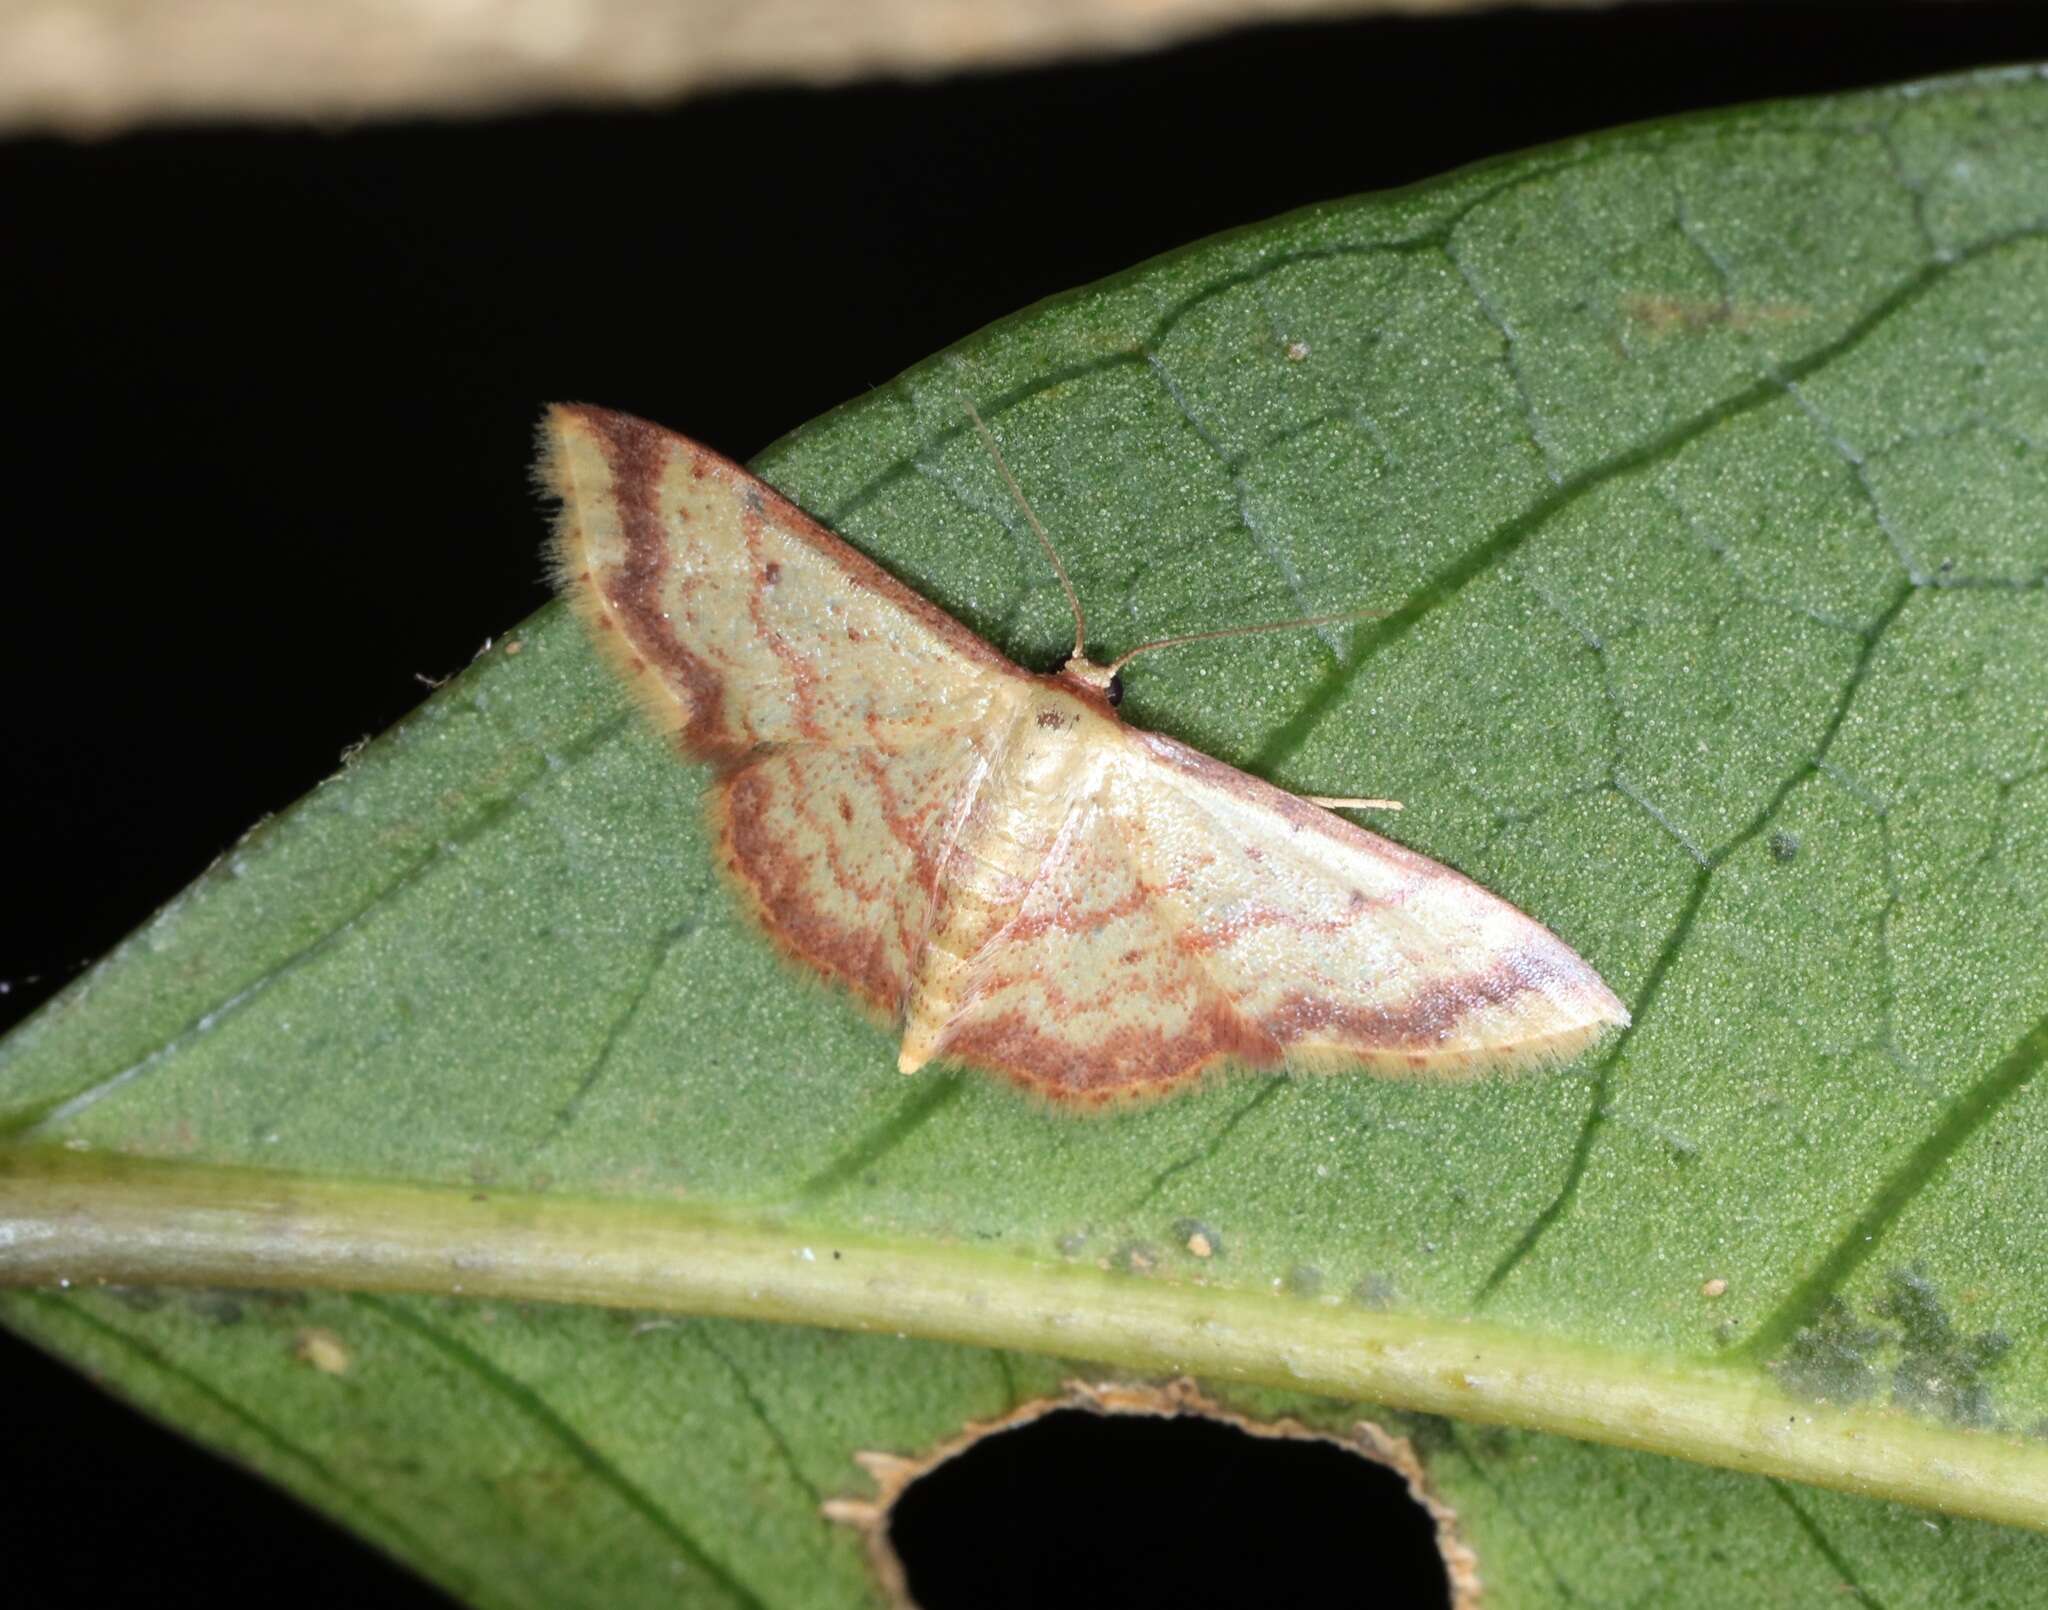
1101	680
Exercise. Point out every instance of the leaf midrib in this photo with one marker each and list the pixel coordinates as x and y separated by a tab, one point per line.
102	1219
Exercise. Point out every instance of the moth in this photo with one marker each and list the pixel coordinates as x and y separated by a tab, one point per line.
992	860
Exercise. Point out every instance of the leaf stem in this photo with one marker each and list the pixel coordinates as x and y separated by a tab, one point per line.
68	1219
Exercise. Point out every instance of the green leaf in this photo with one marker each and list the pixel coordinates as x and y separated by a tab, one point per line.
1701	469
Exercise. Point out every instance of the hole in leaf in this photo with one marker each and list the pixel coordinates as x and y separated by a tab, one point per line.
1078	1508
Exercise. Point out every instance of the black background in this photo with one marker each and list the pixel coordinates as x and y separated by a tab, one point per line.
269	397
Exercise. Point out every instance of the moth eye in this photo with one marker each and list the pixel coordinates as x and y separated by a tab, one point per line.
1116	690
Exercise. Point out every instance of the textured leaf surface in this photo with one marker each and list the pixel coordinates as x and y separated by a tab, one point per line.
1701	470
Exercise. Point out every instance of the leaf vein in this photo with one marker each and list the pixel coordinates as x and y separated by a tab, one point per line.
1824	1545
47	1113
419	1552
558	1430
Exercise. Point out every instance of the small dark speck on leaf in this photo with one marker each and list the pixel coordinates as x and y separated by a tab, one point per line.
1784	847
1831	1357
217	1307
1940	1370
1935	1367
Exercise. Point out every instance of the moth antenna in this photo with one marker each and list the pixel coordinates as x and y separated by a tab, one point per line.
988	440
1247	631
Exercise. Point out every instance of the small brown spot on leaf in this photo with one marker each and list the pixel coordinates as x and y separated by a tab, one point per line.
323	1350
1662	314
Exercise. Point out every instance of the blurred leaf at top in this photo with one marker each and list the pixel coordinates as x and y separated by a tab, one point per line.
1700	469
